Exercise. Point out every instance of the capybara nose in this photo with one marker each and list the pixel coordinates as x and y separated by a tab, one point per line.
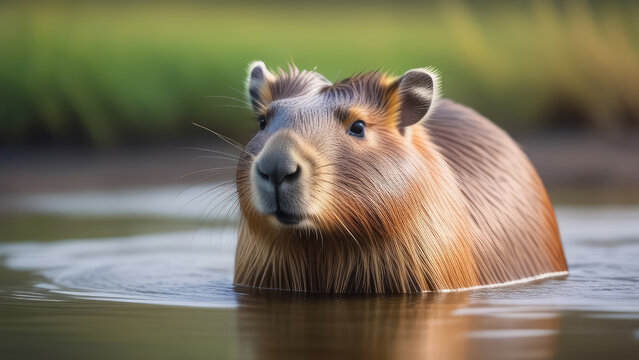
278	178
277	168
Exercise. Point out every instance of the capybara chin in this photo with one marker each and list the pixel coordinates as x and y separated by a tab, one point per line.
375	185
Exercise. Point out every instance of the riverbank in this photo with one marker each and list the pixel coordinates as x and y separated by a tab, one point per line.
576	168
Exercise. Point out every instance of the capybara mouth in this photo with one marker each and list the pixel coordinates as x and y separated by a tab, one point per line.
288	218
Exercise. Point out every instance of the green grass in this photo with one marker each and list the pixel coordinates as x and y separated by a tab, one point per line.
106	74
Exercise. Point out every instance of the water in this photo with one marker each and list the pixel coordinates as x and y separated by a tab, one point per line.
76	282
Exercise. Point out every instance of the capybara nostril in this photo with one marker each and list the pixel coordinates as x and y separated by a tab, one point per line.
294	175
262	174
277	167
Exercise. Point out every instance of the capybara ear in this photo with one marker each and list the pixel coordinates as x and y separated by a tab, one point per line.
417	91
257	85
264	87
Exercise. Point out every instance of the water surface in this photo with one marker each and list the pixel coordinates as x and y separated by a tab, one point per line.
96	286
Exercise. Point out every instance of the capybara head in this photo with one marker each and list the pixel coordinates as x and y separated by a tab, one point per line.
332	157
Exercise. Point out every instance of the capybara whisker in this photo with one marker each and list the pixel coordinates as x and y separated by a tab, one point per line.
216	171
248	104
226	139
230	155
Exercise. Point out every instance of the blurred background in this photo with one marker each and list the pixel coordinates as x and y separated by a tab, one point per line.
112	200
101	77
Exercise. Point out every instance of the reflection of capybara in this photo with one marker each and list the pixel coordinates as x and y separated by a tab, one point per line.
375	185
283	325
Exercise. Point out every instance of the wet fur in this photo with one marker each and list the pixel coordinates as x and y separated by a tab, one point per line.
449	203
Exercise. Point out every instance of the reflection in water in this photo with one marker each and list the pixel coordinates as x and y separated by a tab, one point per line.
278	325
55	294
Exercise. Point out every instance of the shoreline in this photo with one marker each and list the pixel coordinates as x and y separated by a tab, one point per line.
575	168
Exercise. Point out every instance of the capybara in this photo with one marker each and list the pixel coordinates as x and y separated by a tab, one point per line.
376	185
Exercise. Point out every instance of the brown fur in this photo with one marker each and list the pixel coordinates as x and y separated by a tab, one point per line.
453	203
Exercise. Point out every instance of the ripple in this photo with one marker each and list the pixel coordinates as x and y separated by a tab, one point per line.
184	269
195	268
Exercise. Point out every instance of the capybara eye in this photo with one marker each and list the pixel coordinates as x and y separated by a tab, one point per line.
262	120
357	129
